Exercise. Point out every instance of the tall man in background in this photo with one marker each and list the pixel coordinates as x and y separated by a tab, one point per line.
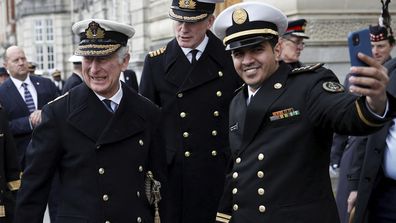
193	81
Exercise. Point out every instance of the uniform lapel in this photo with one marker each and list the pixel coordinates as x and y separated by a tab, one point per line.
40	91
176	64
237	121
83	104
262	101
16	96
126	121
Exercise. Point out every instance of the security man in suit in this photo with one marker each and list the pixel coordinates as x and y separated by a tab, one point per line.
282	122
103	139
23	96
292	42
9	171
76	77
193	81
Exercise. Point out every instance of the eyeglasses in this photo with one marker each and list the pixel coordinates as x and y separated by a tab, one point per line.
297	43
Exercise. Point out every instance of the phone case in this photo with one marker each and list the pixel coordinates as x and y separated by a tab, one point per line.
359	41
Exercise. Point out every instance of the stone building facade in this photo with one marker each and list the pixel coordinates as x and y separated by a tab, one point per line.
43	27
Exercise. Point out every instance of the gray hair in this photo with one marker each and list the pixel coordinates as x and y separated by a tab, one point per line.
122	53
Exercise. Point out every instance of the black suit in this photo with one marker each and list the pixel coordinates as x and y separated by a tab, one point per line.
71	82
366	173
130	79
102	159
194	100
18	113
9	171
280	147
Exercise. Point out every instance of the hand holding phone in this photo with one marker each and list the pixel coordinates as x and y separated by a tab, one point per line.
359	41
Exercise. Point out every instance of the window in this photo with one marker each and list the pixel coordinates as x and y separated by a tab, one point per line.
44	44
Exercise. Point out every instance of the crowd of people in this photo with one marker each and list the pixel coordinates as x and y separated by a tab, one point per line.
227	125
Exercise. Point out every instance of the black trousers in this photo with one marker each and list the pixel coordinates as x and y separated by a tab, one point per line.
382	207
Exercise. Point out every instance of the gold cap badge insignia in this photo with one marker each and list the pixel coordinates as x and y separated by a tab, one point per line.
239	16
187	4
94	31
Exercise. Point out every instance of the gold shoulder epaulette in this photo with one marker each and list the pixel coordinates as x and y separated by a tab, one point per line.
65	94
157	52
307	68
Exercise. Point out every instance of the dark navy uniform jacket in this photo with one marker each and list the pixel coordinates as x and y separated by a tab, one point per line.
9	171
280	146
102	159
194	101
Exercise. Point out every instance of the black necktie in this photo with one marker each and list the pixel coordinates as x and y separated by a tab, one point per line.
194	56
107	102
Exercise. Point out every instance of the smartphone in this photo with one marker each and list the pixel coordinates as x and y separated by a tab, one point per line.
359	41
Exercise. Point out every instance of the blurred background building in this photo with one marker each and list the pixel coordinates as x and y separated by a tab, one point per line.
43	27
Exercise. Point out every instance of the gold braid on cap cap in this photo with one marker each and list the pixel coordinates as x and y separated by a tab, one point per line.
249	32
187	18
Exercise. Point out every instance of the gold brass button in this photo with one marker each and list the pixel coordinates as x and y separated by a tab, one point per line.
105	197
260	174
260	191
220	74
180	95
141	142
260	156
216	113
139	219
235	175
138	193
234	191
278	86
214	153
186	134
183	114
101	171
107	221
235	207
187	154
214	133
98	147
262	208
140	169
238	160
219	93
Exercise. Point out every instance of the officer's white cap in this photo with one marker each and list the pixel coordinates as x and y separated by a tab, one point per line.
249	23
99	37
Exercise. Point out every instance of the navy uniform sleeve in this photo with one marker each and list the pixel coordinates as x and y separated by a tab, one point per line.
41	159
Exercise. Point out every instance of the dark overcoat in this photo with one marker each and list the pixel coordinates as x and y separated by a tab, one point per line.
280	146
194	101
9	171
102	159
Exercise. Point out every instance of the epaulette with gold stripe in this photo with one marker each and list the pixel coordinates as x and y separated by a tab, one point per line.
307	68
65	94
157	52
